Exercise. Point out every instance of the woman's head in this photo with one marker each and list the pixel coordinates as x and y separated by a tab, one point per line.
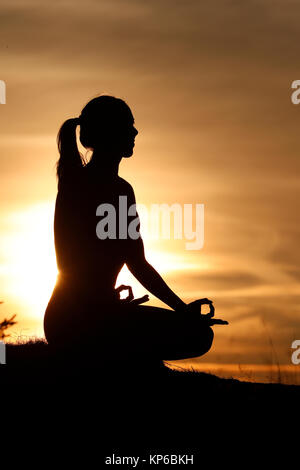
107	124
106	127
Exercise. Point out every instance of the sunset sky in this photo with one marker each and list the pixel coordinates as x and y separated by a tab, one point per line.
209	85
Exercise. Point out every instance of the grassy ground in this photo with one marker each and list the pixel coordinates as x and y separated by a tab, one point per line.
129	407
33	362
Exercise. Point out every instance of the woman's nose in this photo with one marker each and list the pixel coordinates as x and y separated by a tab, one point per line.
135	131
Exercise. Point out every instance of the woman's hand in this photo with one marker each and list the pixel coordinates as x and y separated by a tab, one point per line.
194	308
130	298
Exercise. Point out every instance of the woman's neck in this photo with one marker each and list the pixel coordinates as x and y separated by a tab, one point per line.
104	166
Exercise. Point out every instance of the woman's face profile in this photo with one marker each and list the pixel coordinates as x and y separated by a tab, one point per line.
115	135
124	134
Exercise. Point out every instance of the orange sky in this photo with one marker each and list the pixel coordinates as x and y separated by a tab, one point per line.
209	86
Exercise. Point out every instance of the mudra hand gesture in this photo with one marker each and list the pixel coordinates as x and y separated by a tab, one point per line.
130	298
194	308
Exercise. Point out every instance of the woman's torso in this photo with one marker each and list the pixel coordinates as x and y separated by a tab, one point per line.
88	266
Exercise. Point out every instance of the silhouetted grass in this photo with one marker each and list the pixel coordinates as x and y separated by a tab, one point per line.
150	406
33	361
5	324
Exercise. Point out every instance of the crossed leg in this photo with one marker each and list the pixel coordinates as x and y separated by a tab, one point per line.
161	333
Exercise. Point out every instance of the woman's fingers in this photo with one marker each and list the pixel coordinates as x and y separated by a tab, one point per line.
130	293
217	321
205	319
211	311
140	300
121	287
130	298
198	304
204	301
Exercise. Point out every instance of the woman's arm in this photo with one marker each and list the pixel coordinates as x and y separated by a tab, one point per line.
145	273
154	283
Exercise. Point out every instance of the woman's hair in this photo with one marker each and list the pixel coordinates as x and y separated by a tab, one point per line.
98	120
70	159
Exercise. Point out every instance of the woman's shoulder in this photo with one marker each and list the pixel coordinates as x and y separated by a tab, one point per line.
125	184
123	181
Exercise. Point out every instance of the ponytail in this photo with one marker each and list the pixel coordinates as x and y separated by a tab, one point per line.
70	159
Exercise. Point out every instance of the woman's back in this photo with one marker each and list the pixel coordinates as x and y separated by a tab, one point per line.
88	265
82	257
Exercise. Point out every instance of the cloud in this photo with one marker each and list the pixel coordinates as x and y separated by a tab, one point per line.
232	280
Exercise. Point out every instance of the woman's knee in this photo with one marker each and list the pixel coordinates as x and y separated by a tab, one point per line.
207	340
210	337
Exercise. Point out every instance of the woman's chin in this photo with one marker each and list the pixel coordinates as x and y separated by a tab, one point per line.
128	153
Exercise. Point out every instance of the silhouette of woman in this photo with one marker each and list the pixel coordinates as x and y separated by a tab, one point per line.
85	311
